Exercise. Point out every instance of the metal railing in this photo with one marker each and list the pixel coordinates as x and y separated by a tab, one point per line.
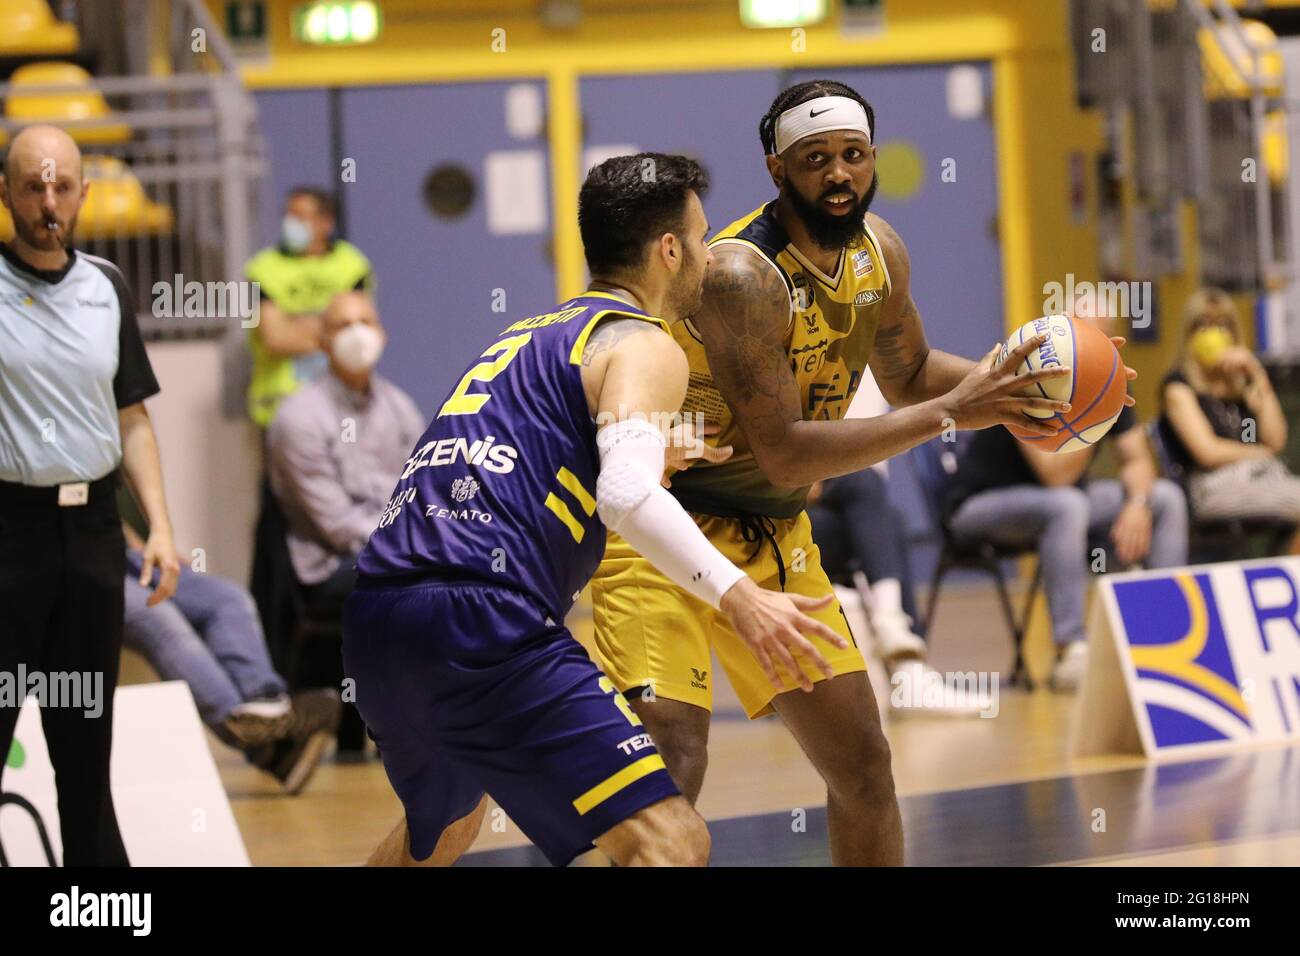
1184	145
190	139
1271	231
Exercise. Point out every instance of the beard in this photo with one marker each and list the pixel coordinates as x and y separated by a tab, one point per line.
34	233
830	232
687	292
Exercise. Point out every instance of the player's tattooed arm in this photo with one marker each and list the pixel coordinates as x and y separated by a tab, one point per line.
905	367
609	333
744	320
617	336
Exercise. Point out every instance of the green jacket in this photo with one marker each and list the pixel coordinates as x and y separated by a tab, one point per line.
297	284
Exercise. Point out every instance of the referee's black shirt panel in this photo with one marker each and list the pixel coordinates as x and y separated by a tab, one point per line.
134	381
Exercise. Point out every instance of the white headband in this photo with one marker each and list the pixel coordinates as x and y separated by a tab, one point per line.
818	116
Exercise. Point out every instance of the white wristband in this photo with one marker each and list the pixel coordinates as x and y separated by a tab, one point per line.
632	502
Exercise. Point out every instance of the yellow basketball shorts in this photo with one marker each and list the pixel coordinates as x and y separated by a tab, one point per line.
651	632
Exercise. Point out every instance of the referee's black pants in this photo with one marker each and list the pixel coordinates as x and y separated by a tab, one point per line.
62	571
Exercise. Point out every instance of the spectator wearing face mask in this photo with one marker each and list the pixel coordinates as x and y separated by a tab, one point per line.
1222	423
297	279
335	448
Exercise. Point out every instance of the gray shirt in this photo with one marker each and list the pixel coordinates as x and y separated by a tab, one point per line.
71	355
334	458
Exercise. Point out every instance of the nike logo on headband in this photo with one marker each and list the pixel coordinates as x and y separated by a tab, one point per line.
812	114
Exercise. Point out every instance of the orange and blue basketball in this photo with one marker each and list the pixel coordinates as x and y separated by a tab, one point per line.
1095	388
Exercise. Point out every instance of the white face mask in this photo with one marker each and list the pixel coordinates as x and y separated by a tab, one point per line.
295	234
358	347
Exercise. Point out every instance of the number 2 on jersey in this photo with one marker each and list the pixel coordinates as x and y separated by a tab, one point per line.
465	402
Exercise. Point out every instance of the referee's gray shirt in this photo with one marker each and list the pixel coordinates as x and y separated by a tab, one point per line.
71	355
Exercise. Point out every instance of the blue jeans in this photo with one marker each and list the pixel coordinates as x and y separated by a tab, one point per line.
1059	522
208	635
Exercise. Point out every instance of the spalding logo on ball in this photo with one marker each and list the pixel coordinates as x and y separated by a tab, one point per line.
1095	389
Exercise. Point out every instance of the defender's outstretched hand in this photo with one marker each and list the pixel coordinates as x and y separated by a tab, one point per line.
773	624
686	446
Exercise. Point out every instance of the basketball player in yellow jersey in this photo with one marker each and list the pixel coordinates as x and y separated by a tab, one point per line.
802	295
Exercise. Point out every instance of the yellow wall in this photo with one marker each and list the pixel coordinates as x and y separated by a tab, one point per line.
1037	123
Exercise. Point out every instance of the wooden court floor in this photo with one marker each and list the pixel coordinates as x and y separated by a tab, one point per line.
1000	791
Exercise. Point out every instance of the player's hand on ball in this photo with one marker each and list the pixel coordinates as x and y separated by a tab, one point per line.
1129	373
990	393
686	446
773	624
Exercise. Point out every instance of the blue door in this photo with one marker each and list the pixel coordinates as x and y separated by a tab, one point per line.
711	117
296	127
449	281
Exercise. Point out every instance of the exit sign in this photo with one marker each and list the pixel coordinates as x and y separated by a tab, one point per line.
246	20
782	13
337	22
860	17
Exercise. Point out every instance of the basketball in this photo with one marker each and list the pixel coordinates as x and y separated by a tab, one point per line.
1095	390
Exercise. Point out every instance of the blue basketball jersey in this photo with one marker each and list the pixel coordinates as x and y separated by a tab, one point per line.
502	484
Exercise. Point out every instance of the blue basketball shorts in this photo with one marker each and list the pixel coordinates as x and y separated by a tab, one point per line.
470	688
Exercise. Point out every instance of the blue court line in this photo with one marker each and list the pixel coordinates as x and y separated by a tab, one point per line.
1037	822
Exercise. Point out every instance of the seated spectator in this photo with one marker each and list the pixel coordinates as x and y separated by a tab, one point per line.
335	449
857	527
1012	493
209	636
297	279
1222	423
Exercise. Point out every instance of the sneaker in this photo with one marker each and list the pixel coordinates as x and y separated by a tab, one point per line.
894	636
1067	675
313	723
258	721
277	705
917	688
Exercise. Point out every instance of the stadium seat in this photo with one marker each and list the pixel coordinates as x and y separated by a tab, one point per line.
1226	61
61	107
117	204
28	27
1277	150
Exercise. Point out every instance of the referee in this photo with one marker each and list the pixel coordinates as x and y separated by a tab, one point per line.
73	379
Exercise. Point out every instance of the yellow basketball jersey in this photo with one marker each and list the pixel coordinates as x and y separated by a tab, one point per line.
833	323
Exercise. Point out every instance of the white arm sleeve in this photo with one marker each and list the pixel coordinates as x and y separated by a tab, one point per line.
630	500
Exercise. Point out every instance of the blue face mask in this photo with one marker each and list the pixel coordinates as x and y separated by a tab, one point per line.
295	234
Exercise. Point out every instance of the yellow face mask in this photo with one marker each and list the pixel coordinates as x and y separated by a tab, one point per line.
1208	345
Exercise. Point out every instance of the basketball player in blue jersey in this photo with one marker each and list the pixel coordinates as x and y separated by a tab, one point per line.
465	674
801	296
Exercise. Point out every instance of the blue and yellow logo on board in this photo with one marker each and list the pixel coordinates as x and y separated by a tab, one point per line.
1178	646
